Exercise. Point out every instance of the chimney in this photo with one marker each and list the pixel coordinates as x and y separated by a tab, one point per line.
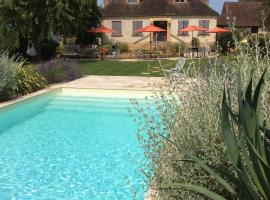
106	3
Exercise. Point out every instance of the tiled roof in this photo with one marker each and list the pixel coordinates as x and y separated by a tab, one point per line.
246	14
119	8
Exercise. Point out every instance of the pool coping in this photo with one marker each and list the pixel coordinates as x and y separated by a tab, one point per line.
80	84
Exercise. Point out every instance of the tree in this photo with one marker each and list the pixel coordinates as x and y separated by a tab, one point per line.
23	20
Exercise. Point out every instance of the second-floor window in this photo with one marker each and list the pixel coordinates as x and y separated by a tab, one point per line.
137	25
181	25
204	24
180	1
117	26
132	1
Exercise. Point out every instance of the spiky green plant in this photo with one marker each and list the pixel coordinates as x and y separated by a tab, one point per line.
249	151
247	140
28	80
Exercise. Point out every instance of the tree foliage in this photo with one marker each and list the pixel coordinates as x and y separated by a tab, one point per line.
39	20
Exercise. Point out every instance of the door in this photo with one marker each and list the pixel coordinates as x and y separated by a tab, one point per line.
161	36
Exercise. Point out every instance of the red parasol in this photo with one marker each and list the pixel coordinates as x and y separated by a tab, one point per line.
192	29
218	30
101	29
150	29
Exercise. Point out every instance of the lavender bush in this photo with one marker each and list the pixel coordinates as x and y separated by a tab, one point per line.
60	70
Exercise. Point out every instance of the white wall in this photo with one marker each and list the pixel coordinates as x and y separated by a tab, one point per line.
127	30
210	38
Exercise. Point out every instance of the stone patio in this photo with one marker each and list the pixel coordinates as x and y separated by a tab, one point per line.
115	82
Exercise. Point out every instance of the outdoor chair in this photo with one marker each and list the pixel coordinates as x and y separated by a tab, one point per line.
70	50
175	75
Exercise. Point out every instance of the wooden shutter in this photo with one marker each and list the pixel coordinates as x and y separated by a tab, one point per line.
181	25
137	25
117	26
204	24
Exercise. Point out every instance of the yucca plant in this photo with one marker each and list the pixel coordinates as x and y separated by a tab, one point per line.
29	80
249	151
247	140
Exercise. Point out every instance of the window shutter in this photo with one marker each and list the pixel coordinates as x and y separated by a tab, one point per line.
132	1
137	25
117	26
204	24
201	25
181	25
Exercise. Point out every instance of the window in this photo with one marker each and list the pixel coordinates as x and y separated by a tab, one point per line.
254	29
136	26
117	26
204	24
180	1
181	25
132	1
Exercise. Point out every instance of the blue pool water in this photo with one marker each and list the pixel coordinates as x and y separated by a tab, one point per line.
65	147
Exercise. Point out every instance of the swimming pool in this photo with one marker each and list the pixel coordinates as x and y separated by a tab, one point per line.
70	144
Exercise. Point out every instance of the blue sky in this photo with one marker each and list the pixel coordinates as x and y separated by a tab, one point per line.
216	4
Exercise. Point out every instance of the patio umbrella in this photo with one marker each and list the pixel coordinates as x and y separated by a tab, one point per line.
192	29
218	30
101	29
150	29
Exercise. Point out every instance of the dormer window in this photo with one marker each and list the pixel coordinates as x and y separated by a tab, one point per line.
132	1
180	1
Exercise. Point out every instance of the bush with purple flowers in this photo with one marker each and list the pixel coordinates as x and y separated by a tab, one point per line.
60	70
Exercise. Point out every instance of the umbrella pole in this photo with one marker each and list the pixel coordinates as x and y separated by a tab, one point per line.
150	45
102	56
192	45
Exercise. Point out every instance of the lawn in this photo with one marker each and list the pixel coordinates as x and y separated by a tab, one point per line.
125	68
137	68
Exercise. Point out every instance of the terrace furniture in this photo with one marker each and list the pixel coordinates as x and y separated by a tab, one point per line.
175	75
71	50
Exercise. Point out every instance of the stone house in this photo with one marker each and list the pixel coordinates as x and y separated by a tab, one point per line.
125	16
244	15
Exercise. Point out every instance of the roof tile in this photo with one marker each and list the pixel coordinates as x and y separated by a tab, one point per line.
246	14
119	8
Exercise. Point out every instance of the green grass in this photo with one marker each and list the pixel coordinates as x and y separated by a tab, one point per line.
132	68
125	68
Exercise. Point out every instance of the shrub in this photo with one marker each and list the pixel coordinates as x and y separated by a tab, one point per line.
188	134
60	70
9	67
28	80
123	47
49	49
260	42
225	41
176	48
16	78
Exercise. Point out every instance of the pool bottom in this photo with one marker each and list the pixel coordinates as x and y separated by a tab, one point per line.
73	147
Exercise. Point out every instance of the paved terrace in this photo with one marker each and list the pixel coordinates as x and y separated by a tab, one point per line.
115	82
